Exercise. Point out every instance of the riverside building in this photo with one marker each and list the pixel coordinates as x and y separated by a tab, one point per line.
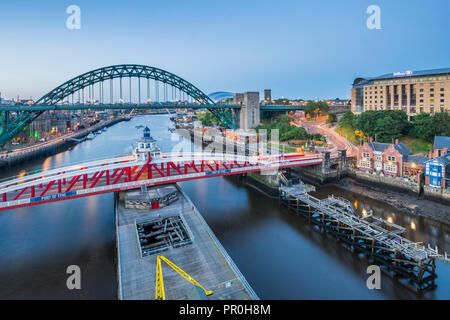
411	91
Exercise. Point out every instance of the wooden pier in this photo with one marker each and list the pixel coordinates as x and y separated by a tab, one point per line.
381	241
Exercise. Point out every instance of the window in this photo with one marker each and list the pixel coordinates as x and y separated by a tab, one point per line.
366	155
379	158
365	164
391	158
390	168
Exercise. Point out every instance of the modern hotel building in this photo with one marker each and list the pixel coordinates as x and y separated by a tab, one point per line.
411	91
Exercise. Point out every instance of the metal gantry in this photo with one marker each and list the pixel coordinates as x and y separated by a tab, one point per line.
24	116
380	240
159	288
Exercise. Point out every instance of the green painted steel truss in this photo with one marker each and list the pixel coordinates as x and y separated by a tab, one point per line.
9	129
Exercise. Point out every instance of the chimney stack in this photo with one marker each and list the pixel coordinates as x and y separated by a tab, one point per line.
396	141
370	139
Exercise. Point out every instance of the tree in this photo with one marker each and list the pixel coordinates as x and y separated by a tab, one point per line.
288	132
426	126
386	130
441	124
314	108
323	106
310	108
348	120
207	119
332	118
368	121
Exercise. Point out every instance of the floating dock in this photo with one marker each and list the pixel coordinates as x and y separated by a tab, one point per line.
179	233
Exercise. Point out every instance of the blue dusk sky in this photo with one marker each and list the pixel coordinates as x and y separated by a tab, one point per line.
299	49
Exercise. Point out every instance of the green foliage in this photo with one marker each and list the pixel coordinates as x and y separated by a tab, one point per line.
386	129
375	123
282	101
207	119
332	118
426	126
312	107
288	132
417	145
385	125
348	121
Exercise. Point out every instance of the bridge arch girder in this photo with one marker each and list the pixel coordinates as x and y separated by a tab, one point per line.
122	71
10	129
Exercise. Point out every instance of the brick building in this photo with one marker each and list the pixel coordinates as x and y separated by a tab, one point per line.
390	159
441	146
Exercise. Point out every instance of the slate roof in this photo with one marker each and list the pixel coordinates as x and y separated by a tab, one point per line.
441	142
380	147
420	160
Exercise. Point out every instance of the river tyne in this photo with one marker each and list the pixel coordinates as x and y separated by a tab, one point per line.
279	253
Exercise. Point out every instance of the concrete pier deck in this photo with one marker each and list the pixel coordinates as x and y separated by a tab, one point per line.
204	259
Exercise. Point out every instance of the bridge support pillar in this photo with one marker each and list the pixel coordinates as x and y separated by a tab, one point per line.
342	160
325	162
4	123
249	114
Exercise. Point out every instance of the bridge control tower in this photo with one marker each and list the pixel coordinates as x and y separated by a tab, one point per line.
145	146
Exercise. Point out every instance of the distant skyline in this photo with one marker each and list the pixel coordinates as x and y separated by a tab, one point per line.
299	49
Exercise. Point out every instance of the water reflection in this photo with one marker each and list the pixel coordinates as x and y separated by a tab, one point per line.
257	232
279	253
418	229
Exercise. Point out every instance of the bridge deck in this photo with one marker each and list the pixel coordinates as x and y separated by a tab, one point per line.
203	259
126	173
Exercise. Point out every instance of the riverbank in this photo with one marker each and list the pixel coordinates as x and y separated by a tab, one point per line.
408	202
403	201
54	146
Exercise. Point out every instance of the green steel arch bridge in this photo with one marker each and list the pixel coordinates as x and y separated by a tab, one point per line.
87	91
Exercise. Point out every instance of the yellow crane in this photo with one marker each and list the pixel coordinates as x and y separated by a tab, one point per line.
159	289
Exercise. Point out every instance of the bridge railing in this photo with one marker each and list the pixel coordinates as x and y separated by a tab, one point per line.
29	175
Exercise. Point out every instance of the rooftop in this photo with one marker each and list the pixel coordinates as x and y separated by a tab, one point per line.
419	160
405	74
441	142
380	147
